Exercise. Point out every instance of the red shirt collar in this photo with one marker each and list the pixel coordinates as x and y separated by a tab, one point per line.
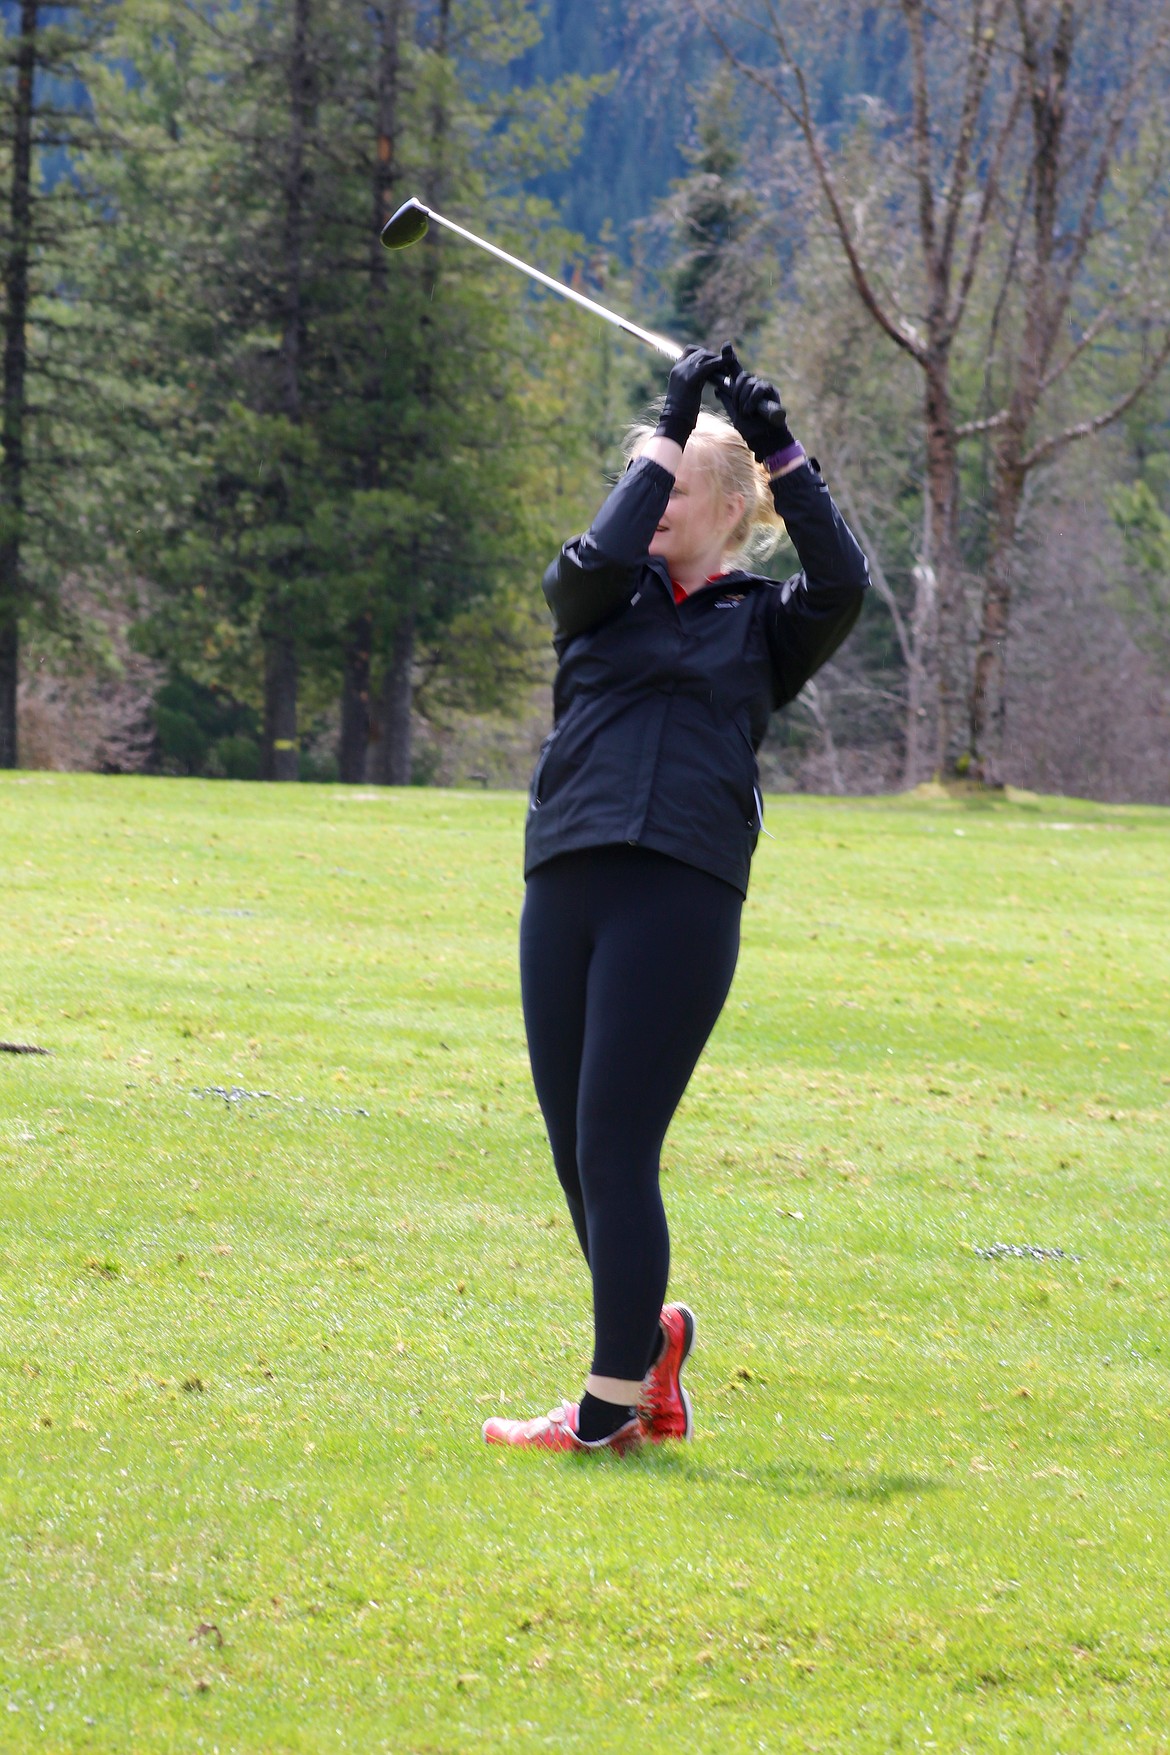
680	596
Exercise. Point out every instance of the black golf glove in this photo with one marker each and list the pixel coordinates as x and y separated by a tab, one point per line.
754	406
684	393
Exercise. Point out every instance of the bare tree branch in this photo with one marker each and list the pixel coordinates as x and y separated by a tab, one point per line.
983	42
846	499
815	697
912	10
1086	428
1150	62
990	194
897	328
990	423
987	423
1105	318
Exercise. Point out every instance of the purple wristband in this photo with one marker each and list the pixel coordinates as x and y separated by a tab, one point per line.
793	453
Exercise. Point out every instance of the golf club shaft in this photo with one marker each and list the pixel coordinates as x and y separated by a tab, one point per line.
660	343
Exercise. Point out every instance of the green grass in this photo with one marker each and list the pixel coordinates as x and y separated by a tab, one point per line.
246	1345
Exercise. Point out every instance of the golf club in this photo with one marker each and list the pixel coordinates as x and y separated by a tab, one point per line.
410	223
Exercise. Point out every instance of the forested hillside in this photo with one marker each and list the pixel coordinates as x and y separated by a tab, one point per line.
634	131
274	502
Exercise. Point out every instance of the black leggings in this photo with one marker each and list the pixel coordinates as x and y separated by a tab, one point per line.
626	958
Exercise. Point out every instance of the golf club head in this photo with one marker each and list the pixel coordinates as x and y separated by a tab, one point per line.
405	227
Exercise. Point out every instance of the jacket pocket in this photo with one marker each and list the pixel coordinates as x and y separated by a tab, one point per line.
538	787
546	750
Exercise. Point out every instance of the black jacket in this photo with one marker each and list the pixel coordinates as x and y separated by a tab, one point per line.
659	708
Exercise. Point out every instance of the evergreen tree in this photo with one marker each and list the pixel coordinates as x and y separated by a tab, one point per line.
719	275
436	356
46	55
214	198
354	504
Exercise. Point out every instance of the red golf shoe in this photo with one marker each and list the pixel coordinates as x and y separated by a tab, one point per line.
665	1407
558	1431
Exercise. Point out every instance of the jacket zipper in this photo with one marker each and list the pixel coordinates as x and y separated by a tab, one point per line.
757	795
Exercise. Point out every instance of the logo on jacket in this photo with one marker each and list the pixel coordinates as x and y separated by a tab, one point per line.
731	602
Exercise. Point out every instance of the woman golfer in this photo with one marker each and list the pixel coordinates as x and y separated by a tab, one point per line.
645	811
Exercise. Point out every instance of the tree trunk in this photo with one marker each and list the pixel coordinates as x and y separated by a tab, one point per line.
9	677
385	153
356	726
916	639
921	679
392	753
945	656
279	757
815	700
988	693
355	702
1060	244
16	274
300	106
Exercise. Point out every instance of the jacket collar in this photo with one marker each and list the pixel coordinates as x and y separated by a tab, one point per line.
736	580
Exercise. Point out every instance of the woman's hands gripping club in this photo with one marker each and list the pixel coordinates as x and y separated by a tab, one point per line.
754	407
752	403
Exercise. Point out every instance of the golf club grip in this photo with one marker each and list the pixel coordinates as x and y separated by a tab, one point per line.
769	411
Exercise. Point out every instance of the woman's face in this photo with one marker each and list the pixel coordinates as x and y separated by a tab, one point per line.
695	525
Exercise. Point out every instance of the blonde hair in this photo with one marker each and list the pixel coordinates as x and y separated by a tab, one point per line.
719	452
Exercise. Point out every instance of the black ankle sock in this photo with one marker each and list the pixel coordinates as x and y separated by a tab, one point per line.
597	1419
